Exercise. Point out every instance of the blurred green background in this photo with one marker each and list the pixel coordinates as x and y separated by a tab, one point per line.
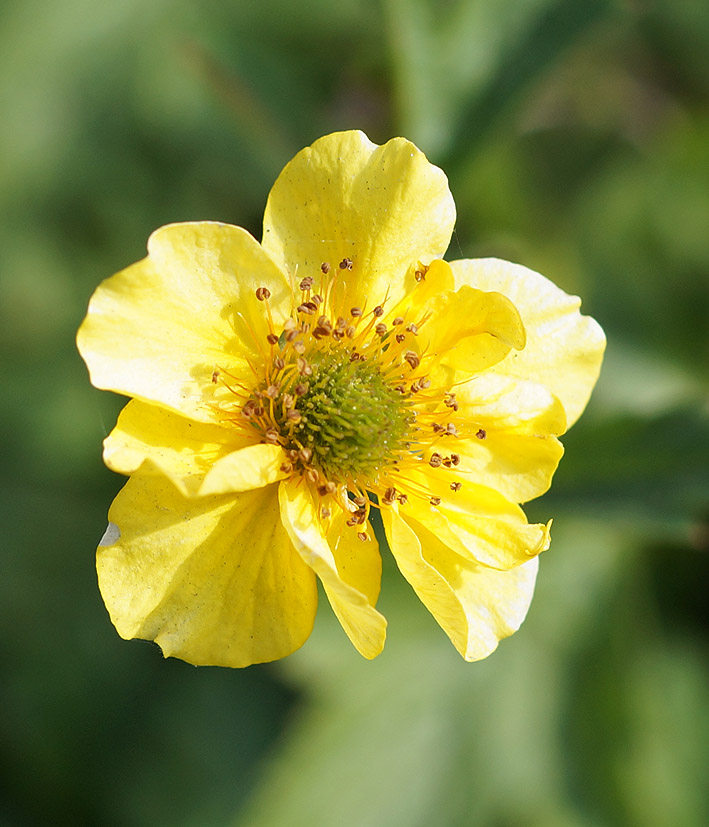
576	139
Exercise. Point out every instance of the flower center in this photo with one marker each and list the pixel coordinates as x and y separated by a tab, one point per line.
351	419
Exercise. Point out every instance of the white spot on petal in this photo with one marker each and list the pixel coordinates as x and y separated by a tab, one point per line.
110	535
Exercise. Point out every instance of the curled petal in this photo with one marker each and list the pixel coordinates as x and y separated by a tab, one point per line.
476	521
476	606
213	580
348	585
382	208
564	349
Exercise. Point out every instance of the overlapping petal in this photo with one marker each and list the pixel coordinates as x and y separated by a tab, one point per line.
476	606
158	329
382	207
564	349
349	588
213	580
199	458
478	522
516	450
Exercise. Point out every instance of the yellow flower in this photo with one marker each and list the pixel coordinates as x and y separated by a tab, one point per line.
282	390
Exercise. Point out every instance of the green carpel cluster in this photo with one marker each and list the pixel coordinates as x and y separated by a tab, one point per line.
352	420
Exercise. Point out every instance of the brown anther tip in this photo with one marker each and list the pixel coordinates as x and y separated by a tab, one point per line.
263	293
400	337
312	475
378	311
420	275
299	347
293	415
412	358
331	487
301	389
271	436
389	496
412	328
317	299
398	320
324	513
286	467
305	454
308	308
481	434
350	331
425	383
360	501
456	486
272	339
346	264
435	460
325	268
435	500
306	283
215	375
341	323
451	429
279	363
362	536
322	490
272	390
403	499
380	329
455	459
355	312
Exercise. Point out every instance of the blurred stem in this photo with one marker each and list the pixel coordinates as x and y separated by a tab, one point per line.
254	120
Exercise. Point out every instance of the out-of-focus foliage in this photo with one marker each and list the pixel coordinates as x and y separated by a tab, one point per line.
576	139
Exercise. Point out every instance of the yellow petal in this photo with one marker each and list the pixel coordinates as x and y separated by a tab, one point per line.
564	349
383	207
470	329
359	563
476	521
214	580
158	329
476	606
516	451
364	626
154	440
252	467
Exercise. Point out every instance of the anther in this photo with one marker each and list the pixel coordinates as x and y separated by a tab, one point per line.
400	337
389	496
305	454
325	268
412	358
378	311
425	383
308	308
306	283
286	467
272	390
279	363
271	436
303	367
355	311
312	475
325	512
293	416
412	328
398	320
362	536
215	375
288	401
263	293
317	299
341	323
451	429
455	459
435	500
420	275
481	434
346	264
380	329
360	501
350	332
456	486
403	499
272	339
436	460
301	388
